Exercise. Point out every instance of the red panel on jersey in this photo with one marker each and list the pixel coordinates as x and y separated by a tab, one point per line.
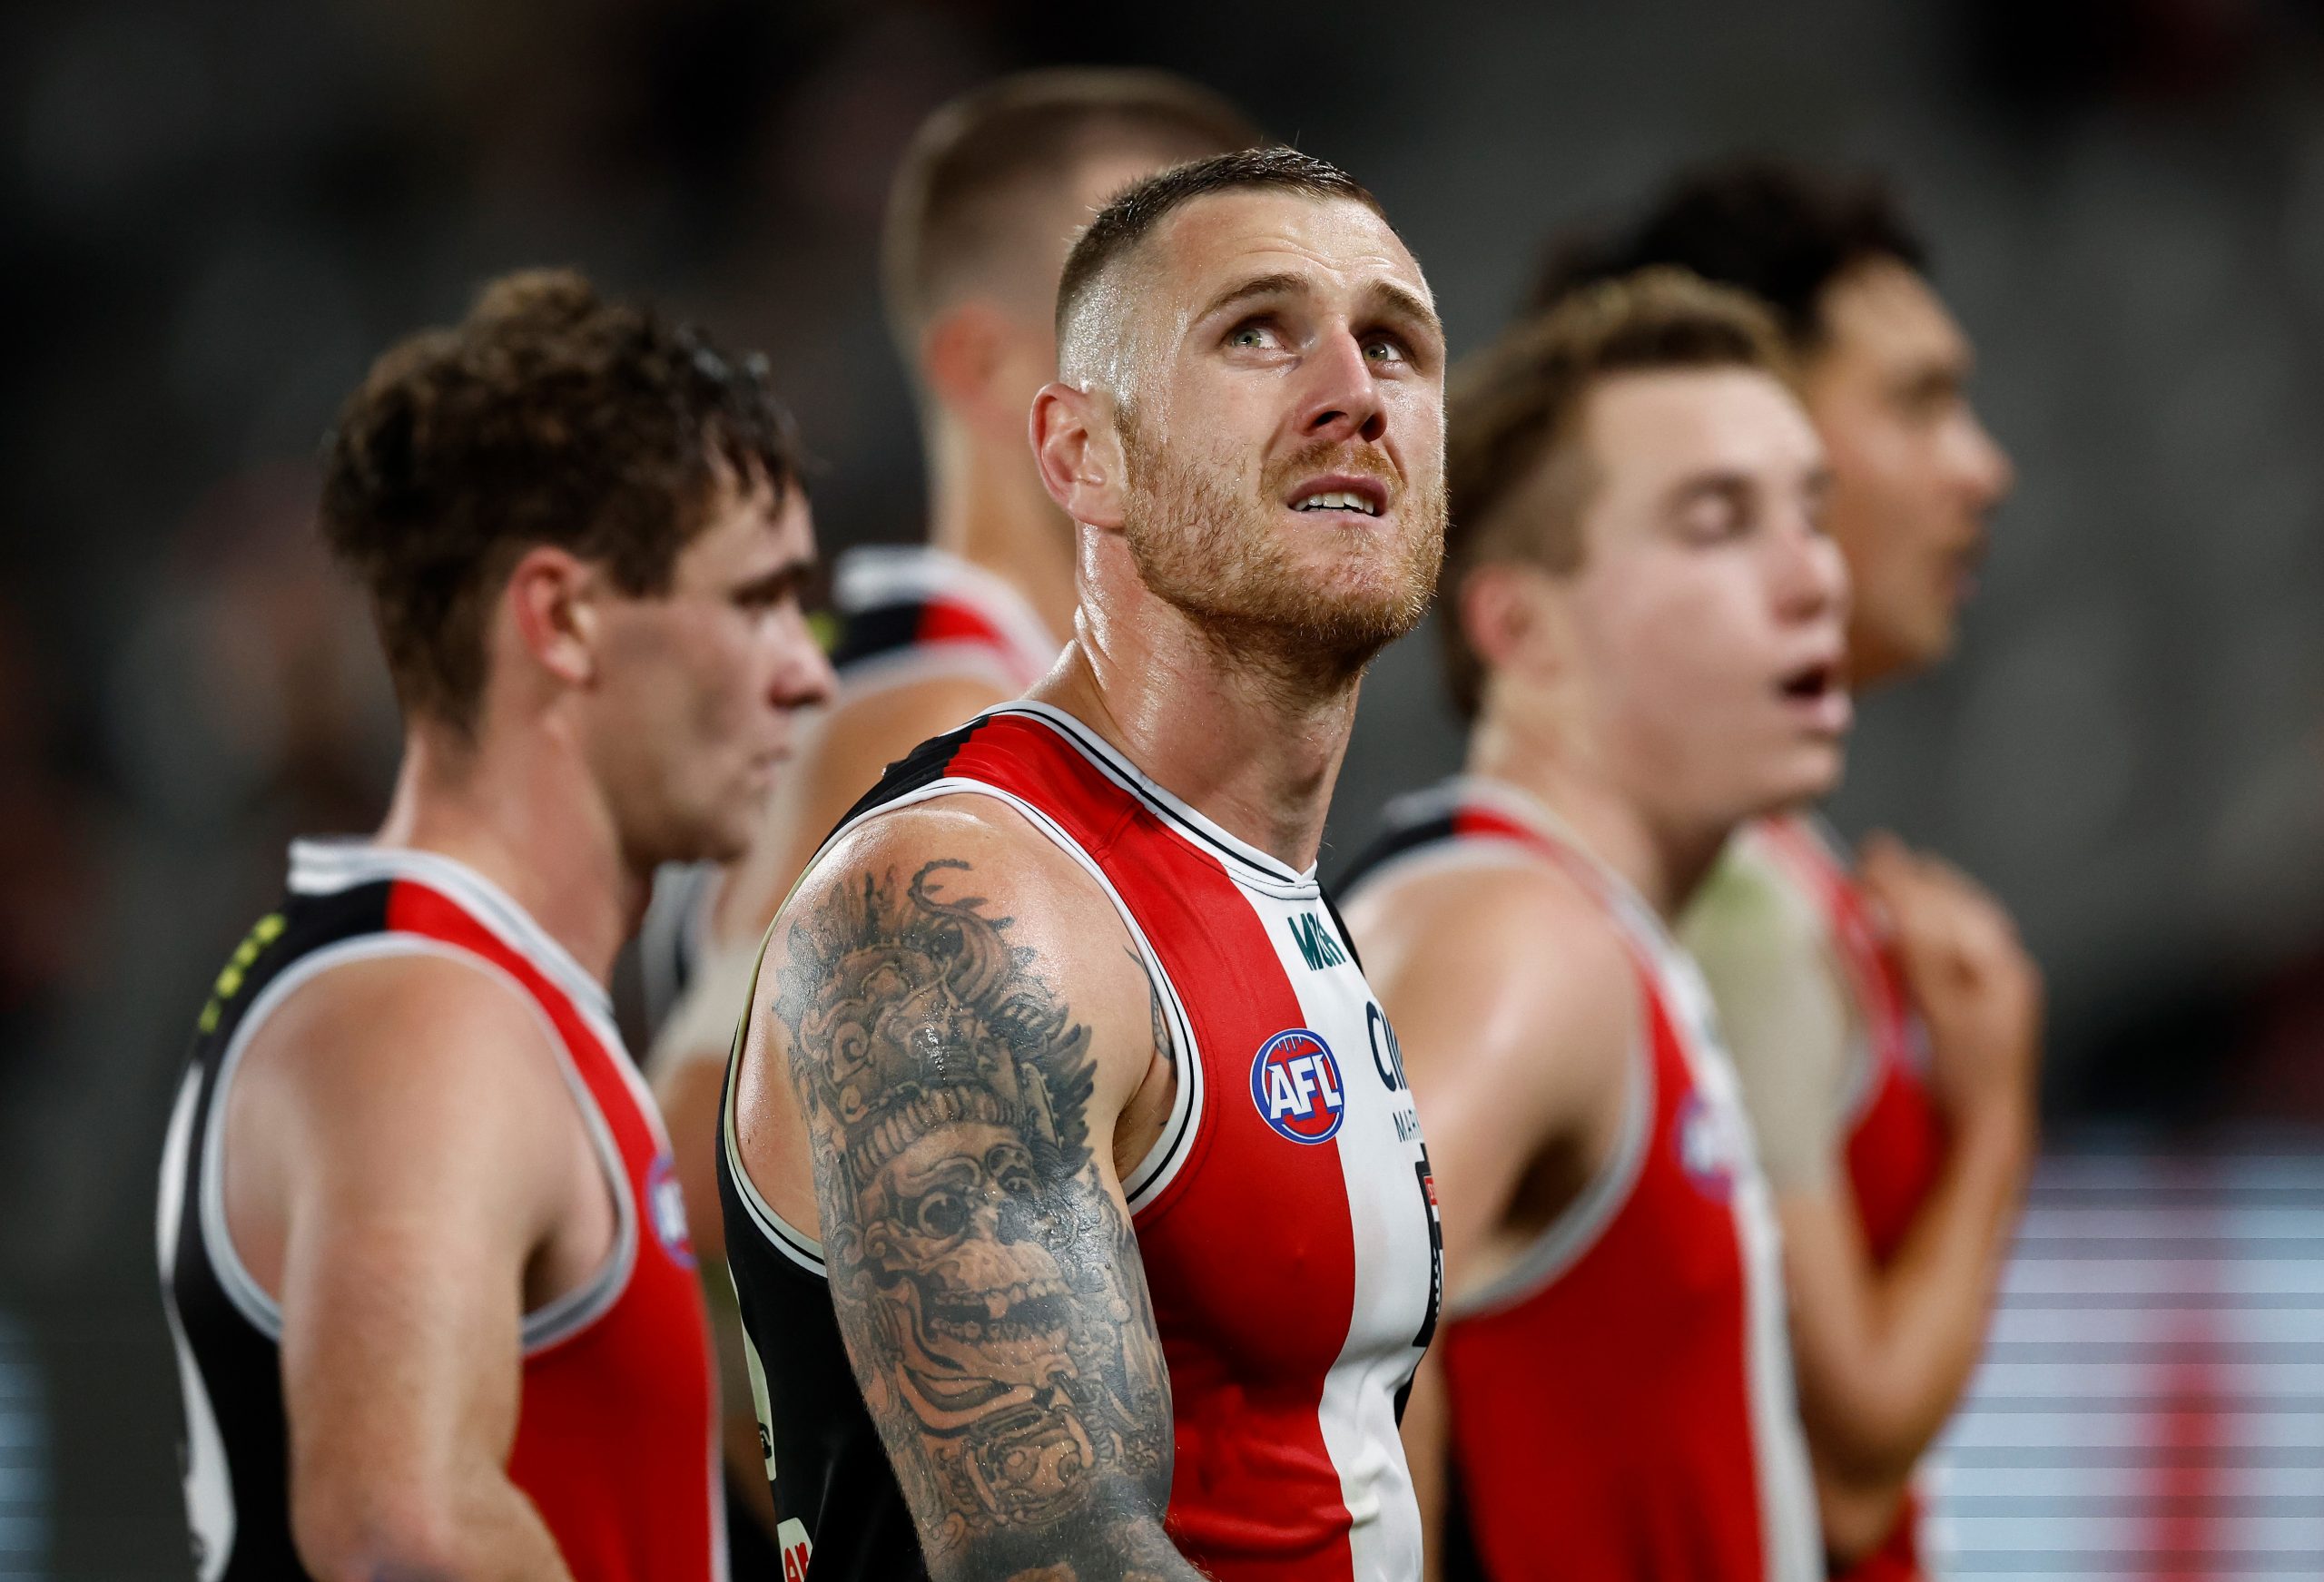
951	621
1601	1424
615	1422
1249	1253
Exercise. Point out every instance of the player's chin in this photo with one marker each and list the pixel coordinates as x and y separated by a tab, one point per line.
1807	771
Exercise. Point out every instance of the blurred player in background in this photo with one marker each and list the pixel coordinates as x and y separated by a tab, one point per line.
988	197
1886	1020
424	1259
1079	1215
1645	621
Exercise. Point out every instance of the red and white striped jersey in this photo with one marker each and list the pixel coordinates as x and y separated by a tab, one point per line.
1285	1218
1894	1141
1620	1397
615	1441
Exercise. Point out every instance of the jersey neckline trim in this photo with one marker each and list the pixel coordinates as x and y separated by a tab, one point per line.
1271	872
322	865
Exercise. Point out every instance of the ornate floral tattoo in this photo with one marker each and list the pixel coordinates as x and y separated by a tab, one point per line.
987	1284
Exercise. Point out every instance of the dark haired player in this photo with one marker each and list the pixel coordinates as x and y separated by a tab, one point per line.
1885	1021
1077	1210
987	199
1643	620
422	1252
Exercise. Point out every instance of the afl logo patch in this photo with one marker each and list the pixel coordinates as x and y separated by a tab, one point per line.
1295	1083
665	1206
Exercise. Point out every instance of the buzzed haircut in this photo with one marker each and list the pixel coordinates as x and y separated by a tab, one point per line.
959	203
1135	212
1783	233
1515	416
548	416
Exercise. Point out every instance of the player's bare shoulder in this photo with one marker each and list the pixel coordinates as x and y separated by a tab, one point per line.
1533	958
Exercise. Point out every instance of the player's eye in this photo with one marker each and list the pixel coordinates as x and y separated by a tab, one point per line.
1252	335
1387	350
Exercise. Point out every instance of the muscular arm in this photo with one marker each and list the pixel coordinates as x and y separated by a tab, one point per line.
962	1023
1515	1007
391	1177
1886	1352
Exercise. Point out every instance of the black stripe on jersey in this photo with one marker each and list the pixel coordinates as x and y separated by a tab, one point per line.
924	765
880	629
240	1367
1397	839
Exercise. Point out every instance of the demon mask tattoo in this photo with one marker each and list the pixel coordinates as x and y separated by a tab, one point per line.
1005	1344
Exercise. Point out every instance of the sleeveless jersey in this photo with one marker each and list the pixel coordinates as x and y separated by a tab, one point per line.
1285	1218
614	1442
1896	1139
902	613
1620	1399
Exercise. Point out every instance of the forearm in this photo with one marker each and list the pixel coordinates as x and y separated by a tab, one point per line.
1927	1308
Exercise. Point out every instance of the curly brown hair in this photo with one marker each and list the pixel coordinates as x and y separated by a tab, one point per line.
1513	411
547	416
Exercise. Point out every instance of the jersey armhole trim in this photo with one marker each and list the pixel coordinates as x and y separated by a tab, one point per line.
555	1321
1565	1241
780	1233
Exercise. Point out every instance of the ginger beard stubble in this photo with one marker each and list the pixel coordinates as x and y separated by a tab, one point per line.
1219	554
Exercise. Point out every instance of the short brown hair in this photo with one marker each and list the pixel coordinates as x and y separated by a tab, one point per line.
547	416
1139	207
1021	136
1517	406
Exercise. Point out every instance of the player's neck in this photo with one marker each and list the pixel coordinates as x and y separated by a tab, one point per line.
1663	860
989	509
522	814
1252	751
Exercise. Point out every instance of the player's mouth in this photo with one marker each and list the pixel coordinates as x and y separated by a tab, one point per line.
1817	694
1340	496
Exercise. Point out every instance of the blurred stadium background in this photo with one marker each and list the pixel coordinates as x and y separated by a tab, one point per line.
214	216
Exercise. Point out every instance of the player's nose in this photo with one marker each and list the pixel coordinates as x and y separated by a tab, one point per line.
1986	472
1812	578
805	678
1339	398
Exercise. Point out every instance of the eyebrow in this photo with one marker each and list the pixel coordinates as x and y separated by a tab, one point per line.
1274	285
1400	299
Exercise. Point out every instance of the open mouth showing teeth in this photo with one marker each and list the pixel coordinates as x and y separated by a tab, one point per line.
1338	501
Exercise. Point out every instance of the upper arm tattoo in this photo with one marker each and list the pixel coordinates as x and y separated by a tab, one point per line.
987	1281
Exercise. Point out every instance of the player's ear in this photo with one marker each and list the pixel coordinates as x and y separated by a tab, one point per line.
1513	619
1080	453
961	351
551	608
